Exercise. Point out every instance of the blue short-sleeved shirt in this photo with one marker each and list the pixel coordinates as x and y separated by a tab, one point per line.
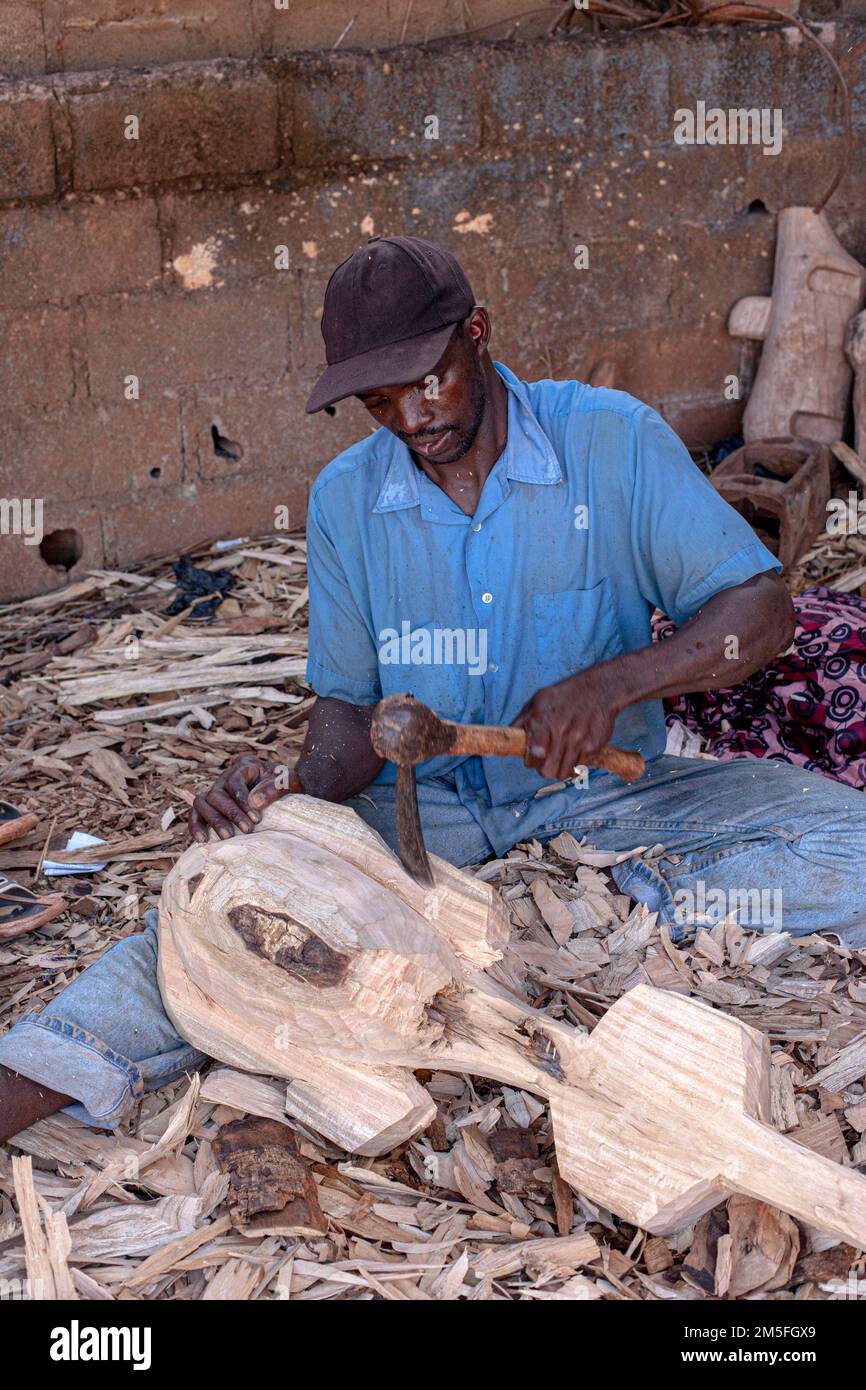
593	516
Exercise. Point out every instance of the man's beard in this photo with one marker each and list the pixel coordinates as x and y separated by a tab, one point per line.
466	437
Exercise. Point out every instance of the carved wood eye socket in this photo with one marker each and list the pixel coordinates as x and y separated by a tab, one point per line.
280	938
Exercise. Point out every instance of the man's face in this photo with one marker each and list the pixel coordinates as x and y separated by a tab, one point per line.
438	419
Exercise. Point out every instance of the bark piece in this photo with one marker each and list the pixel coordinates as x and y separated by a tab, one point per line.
517	1163
823	1265
272	1190
699	1266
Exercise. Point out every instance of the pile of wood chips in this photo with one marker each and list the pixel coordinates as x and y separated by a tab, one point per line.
113	716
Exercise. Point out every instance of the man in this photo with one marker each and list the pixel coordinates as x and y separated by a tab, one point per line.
497	548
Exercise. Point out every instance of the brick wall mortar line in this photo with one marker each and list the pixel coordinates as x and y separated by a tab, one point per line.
306	176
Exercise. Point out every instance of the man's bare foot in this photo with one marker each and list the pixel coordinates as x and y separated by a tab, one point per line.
23	1102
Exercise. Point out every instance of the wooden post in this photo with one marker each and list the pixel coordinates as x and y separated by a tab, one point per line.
803	378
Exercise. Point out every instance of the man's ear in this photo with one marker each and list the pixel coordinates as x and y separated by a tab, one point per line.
477	328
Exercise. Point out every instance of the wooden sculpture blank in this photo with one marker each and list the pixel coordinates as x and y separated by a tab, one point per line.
803	378
304	950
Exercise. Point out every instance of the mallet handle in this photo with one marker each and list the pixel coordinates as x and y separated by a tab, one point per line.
494	740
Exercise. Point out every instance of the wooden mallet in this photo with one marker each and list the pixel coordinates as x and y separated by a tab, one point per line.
407	732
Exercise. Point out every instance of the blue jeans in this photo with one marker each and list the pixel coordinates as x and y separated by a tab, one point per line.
785	848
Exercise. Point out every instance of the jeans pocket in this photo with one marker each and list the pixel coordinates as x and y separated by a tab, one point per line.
574	629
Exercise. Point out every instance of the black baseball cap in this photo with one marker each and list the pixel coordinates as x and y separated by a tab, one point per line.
389	312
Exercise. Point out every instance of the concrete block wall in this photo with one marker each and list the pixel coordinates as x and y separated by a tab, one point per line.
46	36
160	295
38	36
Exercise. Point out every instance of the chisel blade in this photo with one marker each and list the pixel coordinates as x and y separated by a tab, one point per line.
410	840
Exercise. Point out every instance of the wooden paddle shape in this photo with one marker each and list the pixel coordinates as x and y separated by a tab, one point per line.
675	1119
304	950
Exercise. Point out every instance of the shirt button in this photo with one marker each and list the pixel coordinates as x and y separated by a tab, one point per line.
491	666
477	526
486	598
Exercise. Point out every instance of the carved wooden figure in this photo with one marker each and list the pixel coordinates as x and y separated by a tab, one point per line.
304	950
803	379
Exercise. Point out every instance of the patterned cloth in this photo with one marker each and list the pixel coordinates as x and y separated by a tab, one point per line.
807	707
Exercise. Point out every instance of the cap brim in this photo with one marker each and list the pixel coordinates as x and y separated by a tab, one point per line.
396	364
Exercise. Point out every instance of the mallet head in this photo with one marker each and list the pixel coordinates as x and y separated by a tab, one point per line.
406	732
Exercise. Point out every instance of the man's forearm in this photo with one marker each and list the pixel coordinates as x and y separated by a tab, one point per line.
23	1102
337	759
734	634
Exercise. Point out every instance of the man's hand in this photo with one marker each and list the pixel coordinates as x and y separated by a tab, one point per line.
567	722
336	762
238	797
733	634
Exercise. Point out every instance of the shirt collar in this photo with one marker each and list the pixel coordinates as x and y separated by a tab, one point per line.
528	456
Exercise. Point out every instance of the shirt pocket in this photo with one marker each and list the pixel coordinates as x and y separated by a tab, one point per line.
433	668
574	629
